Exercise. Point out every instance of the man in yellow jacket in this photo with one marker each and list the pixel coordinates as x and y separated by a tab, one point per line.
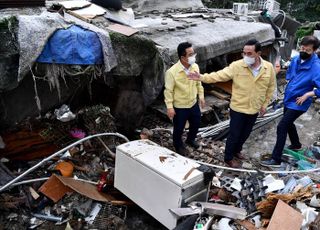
252	88
181	97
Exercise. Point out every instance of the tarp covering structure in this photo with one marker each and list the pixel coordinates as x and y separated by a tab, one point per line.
74	45
34	32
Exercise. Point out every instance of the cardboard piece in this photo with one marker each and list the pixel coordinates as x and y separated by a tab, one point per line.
54	189
85	189
125	30
285	217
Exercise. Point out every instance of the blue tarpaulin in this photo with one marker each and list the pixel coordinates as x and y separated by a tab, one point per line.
73	45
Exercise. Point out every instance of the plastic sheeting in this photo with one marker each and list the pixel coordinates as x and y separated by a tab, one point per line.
35	30
73	45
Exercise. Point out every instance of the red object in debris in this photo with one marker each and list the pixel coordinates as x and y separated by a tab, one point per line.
105	181
318	185
102	181
215	197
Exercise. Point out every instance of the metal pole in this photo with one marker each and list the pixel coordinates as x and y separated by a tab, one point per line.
59	152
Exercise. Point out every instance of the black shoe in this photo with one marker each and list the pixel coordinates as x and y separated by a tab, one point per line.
182	151
295	148
193	144
270	163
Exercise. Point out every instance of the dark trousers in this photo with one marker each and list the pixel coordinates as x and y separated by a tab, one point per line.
193	115
286	126
241	125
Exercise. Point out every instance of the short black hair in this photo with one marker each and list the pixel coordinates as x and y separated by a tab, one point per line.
182	48
254	42
310	40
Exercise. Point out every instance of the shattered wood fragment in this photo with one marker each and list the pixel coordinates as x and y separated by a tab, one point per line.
219	95
267	206
8	202
26	145
33	193
54	189
225	86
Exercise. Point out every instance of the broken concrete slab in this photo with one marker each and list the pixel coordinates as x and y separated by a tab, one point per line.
151	5
210	39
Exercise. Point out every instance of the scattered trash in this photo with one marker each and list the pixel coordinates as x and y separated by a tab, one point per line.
309	214
45	217
224	224
94	212
65	168
64	114
272	184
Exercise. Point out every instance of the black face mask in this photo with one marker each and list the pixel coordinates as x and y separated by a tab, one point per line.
304	55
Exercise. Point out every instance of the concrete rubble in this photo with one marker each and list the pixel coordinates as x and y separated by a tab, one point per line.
83	195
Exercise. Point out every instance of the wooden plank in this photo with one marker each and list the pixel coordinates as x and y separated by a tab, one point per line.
26	145
54	189
225	86
219	95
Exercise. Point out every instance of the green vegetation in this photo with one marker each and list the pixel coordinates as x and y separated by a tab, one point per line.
8	23
308	10
134	42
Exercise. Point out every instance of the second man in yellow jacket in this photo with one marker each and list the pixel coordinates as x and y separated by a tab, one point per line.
252	89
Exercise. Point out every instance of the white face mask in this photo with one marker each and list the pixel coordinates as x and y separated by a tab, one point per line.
192	60
249	60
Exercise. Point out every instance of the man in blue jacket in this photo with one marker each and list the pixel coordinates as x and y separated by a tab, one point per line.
303	76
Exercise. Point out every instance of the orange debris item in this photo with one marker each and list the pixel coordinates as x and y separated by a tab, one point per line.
65	168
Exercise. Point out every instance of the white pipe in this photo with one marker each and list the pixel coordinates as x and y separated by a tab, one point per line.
46	178
59	152
257	171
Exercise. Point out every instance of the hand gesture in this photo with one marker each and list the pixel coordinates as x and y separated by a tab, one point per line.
194	76
300	100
